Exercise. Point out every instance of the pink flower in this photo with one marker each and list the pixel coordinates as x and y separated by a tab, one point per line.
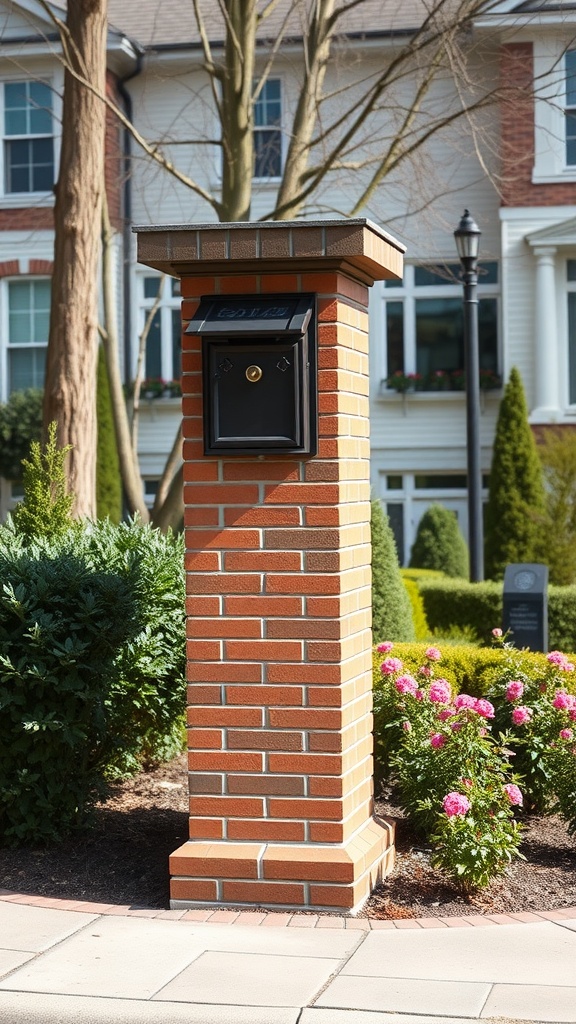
514	795
572	715
425	670
385	648
496	632
456	726
440	692
466	782
566	734
445	713
407	726
437	740
557	658
464	700
390	665
406	684
485	708
514	690
433	654
419	694
568	666
455	805
521	715
563	701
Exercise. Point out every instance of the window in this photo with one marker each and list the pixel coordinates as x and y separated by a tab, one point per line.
571	286
164	342
28	137
267	131
28	325
570	108
425	327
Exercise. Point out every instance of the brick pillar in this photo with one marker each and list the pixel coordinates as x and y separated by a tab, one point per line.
279	594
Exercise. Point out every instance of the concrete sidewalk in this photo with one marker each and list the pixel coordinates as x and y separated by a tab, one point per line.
67	965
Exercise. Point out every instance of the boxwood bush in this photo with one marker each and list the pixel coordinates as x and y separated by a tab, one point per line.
92	668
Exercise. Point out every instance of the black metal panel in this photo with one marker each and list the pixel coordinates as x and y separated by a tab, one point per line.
259	380
525	605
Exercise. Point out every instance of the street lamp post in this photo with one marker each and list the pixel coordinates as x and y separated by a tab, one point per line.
467	237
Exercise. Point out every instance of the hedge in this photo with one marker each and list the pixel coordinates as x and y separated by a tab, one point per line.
478	606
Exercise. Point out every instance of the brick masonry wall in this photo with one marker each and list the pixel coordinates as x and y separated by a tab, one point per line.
517	134
279	642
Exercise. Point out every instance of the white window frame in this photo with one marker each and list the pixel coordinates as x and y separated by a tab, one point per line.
44	198
408	293
271	128
6	348
168	303
550	165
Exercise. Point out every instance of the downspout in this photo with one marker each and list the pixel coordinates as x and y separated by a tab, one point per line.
127	219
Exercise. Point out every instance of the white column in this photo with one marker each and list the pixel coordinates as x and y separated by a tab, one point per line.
546	390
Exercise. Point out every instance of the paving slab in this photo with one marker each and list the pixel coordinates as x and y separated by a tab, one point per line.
534	1002
282	941
251	979
33	929
29	1008
402	995
12	958
116	956
515	954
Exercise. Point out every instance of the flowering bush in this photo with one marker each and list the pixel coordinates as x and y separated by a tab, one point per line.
538	712
454	778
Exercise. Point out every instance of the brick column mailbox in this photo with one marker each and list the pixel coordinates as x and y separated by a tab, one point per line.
277	560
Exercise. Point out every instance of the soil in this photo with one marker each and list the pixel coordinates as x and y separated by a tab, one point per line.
123	859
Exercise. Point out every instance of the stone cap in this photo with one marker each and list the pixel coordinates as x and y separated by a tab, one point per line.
357	247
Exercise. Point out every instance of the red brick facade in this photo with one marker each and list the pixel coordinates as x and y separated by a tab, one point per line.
517	134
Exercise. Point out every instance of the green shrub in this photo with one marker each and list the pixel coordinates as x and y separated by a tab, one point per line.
391	610
515	511
20	423
421	627
108	482
439	544
62	624
557	452
130	659
47	506
478	607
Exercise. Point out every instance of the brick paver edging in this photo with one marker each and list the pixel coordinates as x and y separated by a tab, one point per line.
267	918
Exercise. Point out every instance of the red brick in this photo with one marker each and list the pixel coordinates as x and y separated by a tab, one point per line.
266	785
264	739
262	696
302	584
264	606
192	889
263	516
199	540
322	516
326	832
304	718
279	283
210	739
306	674
332	896
264	470
306	809
323	786
225	716
227	806
221	672
199	694
300	494
205	828
302	629
199	516
224	761
262	561
223	583
202	561
200	471
323	607
264	650
267	831
203	606
302	539
220	494
307	764
262	892
241	284
224	627
204	650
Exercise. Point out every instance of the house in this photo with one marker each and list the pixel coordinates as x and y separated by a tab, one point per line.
512	161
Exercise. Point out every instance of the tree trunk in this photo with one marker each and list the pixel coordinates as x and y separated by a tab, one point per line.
70	385
237	114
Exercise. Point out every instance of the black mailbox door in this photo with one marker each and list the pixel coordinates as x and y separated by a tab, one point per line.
255	395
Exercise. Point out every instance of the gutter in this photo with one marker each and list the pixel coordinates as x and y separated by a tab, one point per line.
127	227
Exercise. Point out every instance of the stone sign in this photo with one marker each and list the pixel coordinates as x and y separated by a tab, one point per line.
525	605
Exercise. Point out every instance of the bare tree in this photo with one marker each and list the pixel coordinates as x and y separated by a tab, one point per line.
70	385
385	125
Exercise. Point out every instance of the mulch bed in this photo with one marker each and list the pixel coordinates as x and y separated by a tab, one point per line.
123	859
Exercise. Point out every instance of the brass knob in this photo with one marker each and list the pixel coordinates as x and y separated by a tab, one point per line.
253	373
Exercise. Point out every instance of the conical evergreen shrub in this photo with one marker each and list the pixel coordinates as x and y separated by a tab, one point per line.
439	544
515	512
391	608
